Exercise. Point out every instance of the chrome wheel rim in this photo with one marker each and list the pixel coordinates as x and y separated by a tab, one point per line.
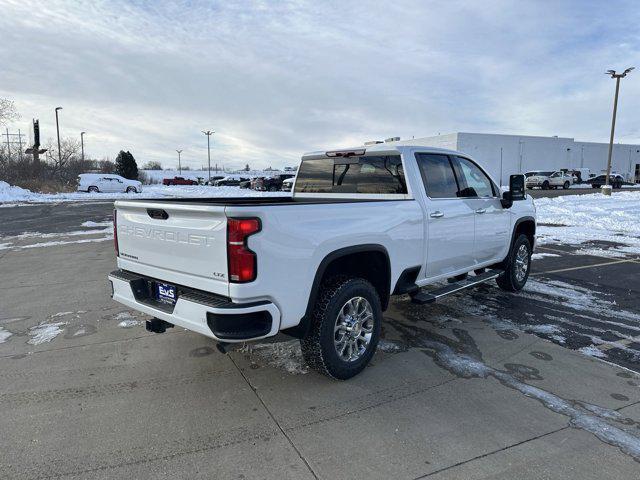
353	329
522	262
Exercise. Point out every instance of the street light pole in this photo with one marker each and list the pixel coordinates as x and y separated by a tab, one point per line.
208	133
606	190
58	132
179	164
82	144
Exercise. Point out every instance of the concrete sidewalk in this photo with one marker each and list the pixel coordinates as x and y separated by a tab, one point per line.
444	398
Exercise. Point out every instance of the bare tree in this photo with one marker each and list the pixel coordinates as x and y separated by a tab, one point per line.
8	112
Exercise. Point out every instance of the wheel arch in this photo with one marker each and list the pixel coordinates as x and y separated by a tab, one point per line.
368	261
527	226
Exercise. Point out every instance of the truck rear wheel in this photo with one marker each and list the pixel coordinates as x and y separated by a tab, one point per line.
517	266
545	185
344	329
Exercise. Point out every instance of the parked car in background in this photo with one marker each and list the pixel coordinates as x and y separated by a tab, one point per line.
178	181
101	182
615	180
533	172
246	184
214	179
272	183
287	185
547	180
230	181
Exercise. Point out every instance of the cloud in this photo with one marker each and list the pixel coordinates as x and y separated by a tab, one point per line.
275	79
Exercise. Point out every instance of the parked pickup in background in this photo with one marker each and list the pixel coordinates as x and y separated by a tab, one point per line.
363	224
547	180
179	181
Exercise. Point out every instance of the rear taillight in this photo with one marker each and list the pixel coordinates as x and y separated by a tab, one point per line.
242	261
115	232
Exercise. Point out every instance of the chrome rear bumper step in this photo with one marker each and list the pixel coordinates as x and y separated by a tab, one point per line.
422	297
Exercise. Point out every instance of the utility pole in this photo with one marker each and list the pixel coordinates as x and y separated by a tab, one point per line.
605	189
82	144
58	132
208	133
179	164
8	144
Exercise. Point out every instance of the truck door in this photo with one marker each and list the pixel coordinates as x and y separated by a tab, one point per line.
449	220
492	221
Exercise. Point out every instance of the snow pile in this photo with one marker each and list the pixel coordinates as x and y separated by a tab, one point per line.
9	193
10	196
576	219
45	332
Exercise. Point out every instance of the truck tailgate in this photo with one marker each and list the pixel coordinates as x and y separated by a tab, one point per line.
181	243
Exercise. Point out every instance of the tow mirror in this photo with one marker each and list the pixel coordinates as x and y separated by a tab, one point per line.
516	191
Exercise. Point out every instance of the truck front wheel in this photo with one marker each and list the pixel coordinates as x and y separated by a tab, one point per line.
517	266
344	329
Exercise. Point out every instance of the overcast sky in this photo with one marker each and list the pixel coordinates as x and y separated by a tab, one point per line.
275	79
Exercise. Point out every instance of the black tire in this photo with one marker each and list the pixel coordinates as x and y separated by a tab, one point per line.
318	348
93	189
273	188
566	185
131	189
510	280
545	185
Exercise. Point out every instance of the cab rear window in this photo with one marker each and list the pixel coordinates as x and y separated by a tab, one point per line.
382	174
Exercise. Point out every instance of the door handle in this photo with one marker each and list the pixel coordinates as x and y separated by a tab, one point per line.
437	214
481	210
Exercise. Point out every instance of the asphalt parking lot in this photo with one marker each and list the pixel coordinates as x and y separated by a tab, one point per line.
485	385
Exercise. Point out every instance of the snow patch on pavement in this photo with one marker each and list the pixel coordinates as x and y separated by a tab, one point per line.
592	351
129	323
4	335
91	224
285	356
538	256
45	332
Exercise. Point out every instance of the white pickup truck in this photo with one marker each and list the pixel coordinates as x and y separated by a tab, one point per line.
362	224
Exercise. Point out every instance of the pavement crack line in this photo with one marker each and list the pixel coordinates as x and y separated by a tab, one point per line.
488	454
264	405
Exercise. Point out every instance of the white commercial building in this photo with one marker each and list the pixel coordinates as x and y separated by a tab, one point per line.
503	155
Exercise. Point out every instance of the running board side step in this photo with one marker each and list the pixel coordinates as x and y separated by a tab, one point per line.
422	297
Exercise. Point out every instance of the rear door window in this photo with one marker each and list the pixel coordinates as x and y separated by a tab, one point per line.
381	174
437	175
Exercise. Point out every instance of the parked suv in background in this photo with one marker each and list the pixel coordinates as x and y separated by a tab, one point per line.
362	224
102	182
615	180
230	181
271	184
547	180
287	185
179	181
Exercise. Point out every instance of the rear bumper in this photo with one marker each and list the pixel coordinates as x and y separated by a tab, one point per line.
208	314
